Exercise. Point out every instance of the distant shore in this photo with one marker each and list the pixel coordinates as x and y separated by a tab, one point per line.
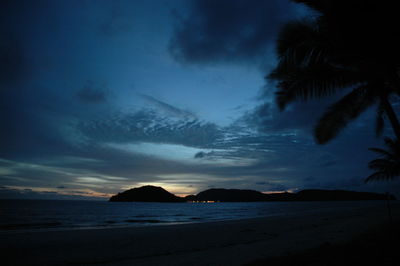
235	242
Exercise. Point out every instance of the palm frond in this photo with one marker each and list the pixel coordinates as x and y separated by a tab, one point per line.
311	82
379	176
381	152
387	167
381	164
342	112
301	43
391	144
331	51
294	34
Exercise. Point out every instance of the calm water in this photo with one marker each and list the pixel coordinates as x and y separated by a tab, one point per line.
58	214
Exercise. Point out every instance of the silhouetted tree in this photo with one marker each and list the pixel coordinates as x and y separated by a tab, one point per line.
388	166
348	44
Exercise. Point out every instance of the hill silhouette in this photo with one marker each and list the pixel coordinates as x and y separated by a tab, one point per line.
158	194
147	194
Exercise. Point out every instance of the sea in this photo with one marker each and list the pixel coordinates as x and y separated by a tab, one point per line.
35	215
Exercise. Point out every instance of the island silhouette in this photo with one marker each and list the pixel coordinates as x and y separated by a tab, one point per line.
147	194
158	194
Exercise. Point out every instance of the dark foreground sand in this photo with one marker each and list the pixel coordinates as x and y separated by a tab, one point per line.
218	243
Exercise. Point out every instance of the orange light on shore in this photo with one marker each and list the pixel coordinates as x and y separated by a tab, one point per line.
280	191
204	201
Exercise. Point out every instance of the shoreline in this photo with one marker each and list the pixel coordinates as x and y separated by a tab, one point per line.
230	242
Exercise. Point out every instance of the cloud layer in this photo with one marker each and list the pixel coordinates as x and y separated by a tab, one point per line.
229	31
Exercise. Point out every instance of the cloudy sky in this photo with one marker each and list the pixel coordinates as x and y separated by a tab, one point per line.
100	96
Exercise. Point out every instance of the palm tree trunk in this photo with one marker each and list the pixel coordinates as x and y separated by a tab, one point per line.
392	116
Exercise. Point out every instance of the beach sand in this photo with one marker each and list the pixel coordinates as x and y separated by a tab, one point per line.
234	242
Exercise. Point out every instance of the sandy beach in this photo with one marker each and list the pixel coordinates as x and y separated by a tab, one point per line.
235	242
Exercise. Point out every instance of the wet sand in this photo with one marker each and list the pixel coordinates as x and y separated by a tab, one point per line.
216	243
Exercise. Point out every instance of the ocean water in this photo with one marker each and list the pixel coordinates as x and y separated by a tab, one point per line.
28	215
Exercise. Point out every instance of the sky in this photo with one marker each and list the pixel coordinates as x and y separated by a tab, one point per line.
97	97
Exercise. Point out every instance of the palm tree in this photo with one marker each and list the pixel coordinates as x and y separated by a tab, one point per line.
388	166
318	57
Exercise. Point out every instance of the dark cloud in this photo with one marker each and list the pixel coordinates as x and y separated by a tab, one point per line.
229	30
93	92
200	155
210	155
